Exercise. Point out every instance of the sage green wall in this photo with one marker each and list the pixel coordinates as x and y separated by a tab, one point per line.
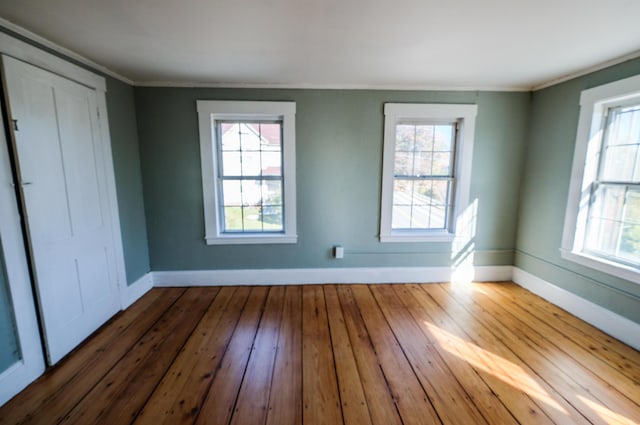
126	164
545	185
9	353
339	163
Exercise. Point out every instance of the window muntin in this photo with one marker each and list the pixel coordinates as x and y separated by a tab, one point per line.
426	170
250	176
247	153
423	175
613	219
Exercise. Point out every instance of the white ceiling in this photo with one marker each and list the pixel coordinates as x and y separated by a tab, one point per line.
475	44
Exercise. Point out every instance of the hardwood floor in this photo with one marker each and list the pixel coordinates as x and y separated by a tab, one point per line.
333	354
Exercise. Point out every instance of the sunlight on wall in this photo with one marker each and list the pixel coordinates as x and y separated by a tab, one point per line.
463	247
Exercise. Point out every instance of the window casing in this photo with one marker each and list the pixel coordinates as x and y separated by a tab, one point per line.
248	171
602	222
426	170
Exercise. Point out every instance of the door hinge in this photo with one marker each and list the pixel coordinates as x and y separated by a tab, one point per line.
15	125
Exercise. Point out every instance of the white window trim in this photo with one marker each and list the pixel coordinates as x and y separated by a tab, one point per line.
210	110
593	104
465	115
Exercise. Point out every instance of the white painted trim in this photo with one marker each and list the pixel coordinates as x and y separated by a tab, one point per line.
609	322
465	116
25	371
321	276
594	103
136	290
210	110
32	55
62	50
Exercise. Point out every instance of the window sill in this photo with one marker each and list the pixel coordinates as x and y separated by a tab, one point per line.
600	264
412	236
252	239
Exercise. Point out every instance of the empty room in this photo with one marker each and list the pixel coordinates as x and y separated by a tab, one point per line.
294	212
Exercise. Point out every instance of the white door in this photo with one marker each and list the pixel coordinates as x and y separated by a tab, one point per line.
64	186
21	360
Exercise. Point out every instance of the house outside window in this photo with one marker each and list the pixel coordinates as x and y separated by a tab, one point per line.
602	223
426	170
248	171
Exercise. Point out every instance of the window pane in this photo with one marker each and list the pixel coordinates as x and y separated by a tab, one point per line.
403	164
251	163
405	137
619	163
437	219
443	137
424	137
251	192
613	229
231	164
232	219
441	164
440	192
423	163
401	217
402	192
271	163
252	219
230	136
420	216
249	137
272	218
231	193
422	192
272	192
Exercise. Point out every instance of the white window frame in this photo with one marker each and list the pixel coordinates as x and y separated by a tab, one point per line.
208	112
465	116
594	103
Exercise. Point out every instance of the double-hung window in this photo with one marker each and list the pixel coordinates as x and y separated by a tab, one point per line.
248	171
426	170
602	225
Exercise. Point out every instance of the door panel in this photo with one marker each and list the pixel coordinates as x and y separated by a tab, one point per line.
64	188
21	360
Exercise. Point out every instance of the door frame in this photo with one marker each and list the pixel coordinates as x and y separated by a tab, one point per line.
25	52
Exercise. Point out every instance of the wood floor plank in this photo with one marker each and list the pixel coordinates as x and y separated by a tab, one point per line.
466	361
587	386
321	400
178	397
529	398
223	392
354	402
120	395
599	337
382	407
253	398
460	395
52	396
413	403
339	354
602	346
570	381
285	400
600	368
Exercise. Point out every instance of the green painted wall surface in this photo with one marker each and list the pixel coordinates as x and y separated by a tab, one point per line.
126	164
339	136
543	199
9	352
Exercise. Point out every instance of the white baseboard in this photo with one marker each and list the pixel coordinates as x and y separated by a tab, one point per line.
322	275
137	289
609	322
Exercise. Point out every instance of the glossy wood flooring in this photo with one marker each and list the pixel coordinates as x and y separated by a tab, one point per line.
352	354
